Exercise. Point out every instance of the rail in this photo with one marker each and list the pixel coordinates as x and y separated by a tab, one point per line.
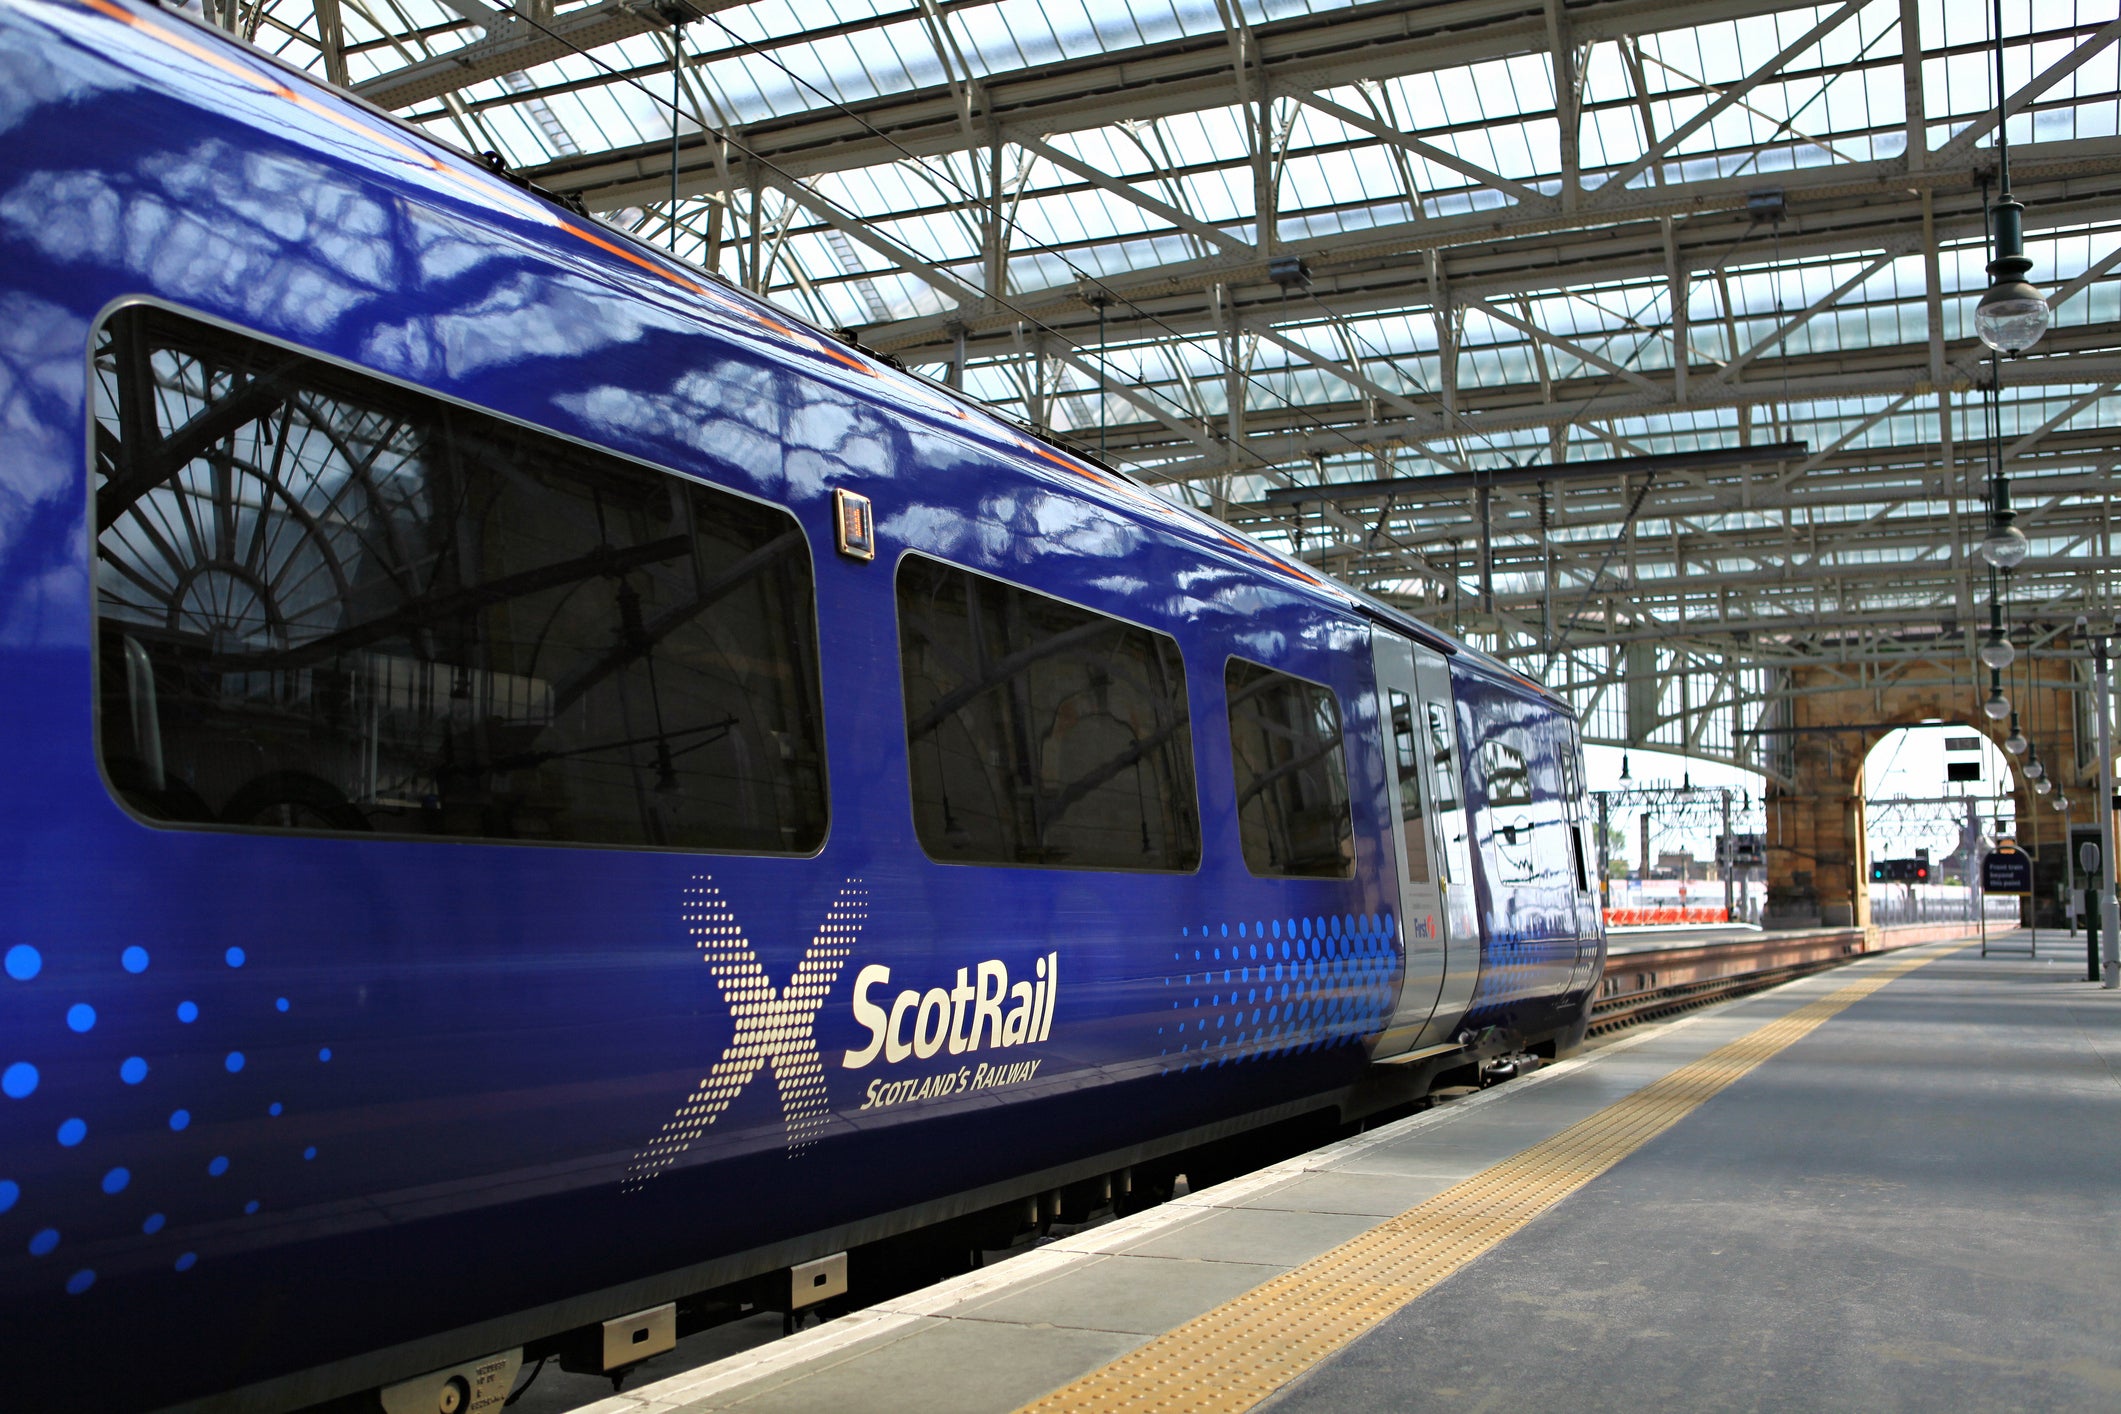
1649	984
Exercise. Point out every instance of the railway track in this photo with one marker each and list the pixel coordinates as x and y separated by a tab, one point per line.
1656	983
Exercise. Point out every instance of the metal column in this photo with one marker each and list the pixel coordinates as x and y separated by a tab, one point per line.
1730	857
2102	683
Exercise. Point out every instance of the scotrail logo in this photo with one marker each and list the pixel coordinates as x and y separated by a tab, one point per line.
983	1010
775	1028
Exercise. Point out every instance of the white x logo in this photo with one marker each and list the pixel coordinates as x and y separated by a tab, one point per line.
773	1028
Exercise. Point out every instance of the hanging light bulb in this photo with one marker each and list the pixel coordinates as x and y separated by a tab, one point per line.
2015	743
2005	545
2061	804
2042	786
1624	767
2033	769
1997	651
2012	316
1998	706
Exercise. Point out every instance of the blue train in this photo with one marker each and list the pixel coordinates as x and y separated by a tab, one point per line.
544	790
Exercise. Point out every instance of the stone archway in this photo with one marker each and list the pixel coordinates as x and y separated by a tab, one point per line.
1817	866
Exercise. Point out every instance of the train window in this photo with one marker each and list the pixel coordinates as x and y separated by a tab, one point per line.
1444	757
1567	749
1450	814
1406	760
326	602
1040	733
1509	779
1292	775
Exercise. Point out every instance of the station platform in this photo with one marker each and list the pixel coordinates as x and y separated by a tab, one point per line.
1887	1185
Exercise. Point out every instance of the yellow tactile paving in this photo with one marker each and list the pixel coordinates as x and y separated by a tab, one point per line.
1236	1355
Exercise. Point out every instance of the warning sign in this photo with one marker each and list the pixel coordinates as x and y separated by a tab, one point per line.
2007	872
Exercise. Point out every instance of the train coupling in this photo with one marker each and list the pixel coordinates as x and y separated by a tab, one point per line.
1501	1068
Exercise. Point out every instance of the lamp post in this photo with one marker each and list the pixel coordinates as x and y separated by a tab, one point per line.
2110	956
2010	319
2012	316
2103	807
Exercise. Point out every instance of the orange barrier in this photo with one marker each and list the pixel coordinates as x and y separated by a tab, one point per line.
1664	916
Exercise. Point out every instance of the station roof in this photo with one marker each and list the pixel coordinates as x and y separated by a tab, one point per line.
1385	252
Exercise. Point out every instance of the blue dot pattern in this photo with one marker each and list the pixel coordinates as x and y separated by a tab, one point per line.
1258	989
1520	964
116	1178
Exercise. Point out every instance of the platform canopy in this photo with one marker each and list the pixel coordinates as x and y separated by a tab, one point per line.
1630	338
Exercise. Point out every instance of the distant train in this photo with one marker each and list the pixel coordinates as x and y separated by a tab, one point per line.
542	790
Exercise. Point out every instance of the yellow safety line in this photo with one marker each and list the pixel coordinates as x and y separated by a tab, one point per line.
1244	1350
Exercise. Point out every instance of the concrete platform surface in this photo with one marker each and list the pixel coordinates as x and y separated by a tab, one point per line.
1915	1205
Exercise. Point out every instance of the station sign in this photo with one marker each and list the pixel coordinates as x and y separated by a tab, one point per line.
2007	872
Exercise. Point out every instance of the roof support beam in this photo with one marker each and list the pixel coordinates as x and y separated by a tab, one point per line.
519	45
1528	197
857	229
1731	370
1619	180
1289	446
1567	346
1128	192
2040	83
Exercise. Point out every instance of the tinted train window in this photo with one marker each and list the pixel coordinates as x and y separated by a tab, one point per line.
1041	733
1292	775
329	603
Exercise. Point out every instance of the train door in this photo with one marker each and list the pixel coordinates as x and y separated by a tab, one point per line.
1432	854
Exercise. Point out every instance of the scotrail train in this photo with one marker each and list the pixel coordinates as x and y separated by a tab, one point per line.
544	791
